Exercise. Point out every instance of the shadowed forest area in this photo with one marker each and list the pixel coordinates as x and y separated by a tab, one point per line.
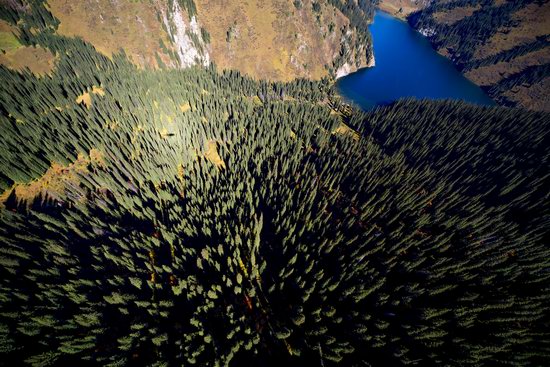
201	217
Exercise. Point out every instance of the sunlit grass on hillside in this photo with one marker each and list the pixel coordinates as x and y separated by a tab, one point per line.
8	41
133	26
272	39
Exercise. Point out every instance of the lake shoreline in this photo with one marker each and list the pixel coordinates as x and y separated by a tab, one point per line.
406	66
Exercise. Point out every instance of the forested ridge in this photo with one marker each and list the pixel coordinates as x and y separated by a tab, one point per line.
198	217
510	34
481	25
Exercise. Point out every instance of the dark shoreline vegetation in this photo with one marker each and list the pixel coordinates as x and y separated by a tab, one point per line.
216	220
461	39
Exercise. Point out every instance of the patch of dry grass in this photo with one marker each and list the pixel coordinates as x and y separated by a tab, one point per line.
15	56
56	181
211	154
38	60
185	107
344	129
86	97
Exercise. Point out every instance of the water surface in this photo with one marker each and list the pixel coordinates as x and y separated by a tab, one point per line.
406	66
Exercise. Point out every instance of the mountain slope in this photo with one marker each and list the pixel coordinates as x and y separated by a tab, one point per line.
152	33
503	46
275	39
280	40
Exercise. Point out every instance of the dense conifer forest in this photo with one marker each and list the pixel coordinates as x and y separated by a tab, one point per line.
201	218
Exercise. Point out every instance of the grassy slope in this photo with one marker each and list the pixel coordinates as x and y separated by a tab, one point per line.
269	39
272	39
111	25
527	24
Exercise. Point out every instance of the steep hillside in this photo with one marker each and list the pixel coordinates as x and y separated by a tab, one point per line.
281	39
276	39
503	46
152	33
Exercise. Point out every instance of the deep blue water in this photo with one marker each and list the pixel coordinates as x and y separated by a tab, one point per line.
406	66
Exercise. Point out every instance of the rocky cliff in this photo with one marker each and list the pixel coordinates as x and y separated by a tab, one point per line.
156	33
281	39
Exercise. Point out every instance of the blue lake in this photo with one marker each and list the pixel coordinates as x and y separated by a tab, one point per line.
406	66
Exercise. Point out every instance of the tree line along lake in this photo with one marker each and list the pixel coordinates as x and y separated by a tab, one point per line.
406	67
